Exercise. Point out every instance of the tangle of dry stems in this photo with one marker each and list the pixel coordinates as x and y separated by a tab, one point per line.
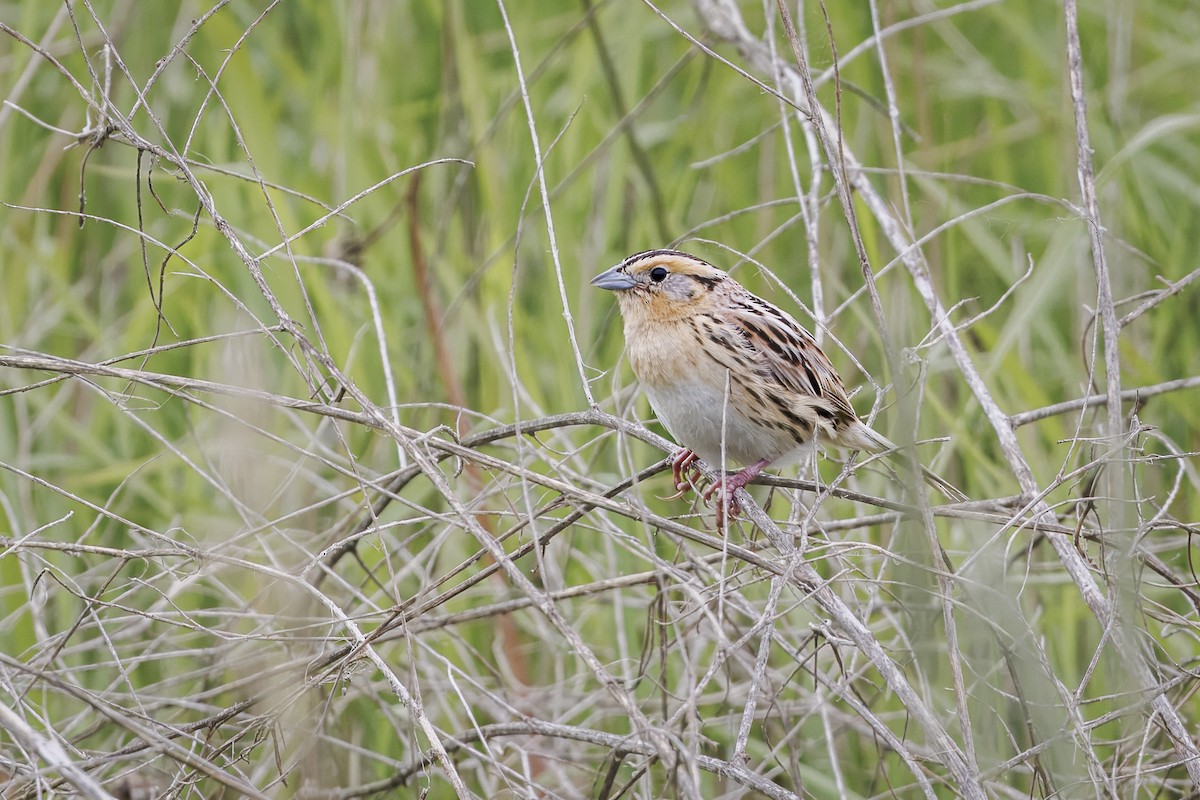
744	626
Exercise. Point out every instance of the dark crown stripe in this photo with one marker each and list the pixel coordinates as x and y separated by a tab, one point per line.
636	257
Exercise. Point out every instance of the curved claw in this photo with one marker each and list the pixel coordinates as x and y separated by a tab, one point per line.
684	470
678	494
686	476
727	485
727	504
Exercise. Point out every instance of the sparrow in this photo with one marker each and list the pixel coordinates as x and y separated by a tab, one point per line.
732	377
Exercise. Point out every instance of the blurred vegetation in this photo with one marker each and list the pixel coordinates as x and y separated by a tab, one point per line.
286	111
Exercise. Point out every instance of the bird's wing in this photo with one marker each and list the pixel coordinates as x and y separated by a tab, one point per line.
783	354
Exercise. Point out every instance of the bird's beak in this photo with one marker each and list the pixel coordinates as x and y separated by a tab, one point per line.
614	280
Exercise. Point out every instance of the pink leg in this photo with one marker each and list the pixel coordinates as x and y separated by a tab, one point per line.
728	484
683	464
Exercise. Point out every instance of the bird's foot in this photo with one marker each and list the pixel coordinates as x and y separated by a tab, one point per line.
685	475
684	470
725	488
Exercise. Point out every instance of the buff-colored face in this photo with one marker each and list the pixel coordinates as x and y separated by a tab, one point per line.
661	284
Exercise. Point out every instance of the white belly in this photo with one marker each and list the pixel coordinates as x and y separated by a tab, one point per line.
699	418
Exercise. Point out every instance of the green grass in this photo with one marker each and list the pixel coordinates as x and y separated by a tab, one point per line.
165	554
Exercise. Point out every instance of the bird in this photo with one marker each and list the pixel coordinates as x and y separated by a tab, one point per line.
731	376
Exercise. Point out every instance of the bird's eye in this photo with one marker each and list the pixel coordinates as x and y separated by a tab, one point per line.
658	274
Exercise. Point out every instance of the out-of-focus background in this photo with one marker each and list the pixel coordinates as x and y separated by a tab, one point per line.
298	341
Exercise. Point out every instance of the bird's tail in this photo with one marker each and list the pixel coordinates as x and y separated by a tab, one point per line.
863	437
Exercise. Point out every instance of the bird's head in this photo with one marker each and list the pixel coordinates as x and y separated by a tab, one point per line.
659	285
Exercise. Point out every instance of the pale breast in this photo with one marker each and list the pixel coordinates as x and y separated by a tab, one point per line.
687	390
700	419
